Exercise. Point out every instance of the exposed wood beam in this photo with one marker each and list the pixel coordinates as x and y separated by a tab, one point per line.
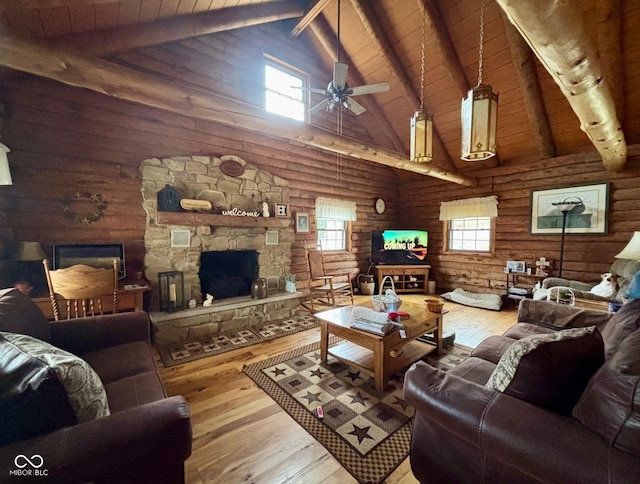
554	31
120	82
610	44
524	65
324	34
313	11
440	36
122	39
379	38
34	4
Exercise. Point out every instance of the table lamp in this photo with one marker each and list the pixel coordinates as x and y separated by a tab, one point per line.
31	276
632	250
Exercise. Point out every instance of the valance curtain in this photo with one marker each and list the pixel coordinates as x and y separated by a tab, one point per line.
470	207
335	209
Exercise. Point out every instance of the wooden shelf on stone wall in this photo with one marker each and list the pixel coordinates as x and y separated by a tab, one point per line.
216	220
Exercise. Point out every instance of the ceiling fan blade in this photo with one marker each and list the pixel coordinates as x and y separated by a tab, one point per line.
318	107
310	89
340	74
369	89
355	107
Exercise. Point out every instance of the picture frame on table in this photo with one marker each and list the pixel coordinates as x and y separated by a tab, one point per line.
591	218
302	222
281	209
516	266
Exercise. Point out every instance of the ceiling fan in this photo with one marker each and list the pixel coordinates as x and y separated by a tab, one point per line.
338	92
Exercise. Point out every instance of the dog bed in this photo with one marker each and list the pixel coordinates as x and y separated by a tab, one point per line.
484	301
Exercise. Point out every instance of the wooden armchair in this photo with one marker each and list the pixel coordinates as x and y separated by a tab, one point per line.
84	289
325	289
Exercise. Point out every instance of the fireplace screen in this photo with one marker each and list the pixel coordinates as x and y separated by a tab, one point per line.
228	273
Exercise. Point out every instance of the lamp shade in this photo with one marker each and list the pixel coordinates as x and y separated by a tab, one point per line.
421	136
479	123
5	174
30	251
632	250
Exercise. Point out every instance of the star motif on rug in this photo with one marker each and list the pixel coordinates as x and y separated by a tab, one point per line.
354	375
311	397
317	373
361	433
358	399
401	403
277	371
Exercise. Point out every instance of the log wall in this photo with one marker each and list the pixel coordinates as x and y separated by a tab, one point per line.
65	139
585	256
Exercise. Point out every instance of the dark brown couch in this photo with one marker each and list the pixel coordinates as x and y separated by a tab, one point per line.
146	437
466	432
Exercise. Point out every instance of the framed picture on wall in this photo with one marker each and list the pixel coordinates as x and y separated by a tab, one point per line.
302	222
588	217
180	238
271	237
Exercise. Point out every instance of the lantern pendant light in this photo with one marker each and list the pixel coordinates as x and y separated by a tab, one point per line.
479	115
422	121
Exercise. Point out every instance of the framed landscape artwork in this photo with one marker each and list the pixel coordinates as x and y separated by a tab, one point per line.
302	222
591	218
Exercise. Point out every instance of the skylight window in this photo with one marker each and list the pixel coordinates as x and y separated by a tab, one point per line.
283	95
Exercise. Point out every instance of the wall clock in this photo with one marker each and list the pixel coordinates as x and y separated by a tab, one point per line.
381	206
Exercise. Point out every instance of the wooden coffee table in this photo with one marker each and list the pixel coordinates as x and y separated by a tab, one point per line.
372	352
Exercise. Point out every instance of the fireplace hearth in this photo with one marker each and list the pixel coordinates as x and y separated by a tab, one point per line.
227	273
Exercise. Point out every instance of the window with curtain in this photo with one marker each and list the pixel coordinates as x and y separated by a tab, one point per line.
470	224
333	218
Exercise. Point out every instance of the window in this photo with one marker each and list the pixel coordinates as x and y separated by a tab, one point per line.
469	234
283	93
334	218
332	234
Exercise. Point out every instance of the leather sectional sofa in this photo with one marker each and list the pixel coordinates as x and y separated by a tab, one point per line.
119	428
568	413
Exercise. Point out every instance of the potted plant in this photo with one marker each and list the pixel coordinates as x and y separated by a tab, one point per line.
290	283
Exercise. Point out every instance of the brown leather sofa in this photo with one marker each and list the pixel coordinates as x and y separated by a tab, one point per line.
466	432
145	439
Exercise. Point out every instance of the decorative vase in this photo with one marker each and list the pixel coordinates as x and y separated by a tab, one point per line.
289	286
259	288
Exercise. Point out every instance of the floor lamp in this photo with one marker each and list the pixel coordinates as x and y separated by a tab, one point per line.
566	207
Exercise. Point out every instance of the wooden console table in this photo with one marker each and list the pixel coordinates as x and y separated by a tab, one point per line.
128	300
406	278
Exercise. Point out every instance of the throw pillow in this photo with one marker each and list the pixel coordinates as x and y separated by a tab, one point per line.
43	388
549	370
18	314
624	322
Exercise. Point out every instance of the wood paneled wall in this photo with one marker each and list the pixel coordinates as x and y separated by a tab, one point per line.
65	139
585	256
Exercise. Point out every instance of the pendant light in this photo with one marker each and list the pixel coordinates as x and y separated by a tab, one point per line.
422	121
479	114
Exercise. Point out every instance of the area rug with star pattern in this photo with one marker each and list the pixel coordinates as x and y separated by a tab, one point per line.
366	431
214	344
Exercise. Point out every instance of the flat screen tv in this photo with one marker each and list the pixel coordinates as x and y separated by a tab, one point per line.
93	255
399	246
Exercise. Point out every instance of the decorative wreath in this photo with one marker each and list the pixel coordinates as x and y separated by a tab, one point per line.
84	219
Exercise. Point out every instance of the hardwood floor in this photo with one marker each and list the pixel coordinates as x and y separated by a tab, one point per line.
241	435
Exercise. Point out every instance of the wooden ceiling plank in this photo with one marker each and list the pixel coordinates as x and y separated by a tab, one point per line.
313	11
123	39
120	82
379	38
554	32
325	36
524	65
440	36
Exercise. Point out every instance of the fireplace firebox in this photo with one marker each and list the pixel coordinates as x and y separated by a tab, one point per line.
227	273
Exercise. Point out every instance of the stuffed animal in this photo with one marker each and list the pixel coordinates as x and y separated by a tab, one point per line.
608	286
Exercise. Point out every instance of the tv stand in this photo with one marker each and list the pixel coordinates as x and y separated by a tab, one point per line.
406	278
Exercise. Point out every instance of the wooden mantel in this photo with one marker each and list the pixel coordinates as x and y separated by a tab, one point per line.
217	220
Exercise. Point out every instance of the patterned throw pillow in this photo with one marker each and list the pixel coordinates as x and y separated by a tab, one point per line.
550	370
43	388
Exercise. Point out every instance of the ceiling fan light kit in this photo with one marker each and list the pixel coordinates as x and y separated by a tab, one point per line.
479	115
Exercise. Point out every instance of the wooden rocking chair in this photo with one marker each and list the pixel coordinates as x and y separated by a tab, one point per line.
84	288
324	288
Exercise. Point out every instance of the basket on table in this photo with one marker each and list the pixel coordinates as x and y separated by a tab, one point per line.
434	305
381	303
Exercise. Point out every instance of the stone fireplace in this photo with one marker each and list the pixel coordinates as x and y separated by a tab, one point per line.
217	236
